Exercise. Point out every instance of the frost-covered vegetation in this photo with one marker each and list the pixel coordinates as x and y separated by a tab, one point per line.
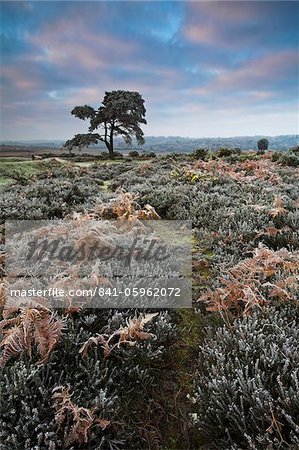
224	374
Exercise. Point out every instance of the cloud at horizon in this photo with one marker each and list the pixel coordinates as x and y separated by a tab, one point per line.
203	68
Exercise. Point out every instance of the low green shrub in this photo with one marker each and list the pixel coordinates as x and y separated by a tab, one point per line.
276	156
200	153
295	149
118	155
289	159
224	151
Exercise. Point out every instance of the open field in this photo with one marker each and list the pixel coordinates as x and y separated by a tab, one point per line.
14	151
18	168
13	168
220	375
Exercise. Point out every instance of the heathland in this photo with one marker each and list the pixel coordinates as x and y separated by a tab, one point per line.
223	374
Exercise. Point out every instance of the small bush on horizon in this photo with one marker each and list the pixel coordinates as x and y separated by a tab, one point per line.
224	151
200	153
134	154
104	155
118	155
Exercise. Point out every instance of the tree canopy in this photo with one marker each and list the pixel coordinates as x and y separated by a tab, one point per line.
263	144
121	114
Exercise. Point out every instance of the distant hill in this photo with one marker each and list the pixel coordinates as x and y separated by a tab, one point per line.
169	144
179	144
34	143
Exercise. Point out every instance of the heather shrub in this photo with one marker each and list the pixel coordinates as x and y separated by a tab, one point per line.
106	171
246	389
120	386
25	409
232	210
48	198
133	179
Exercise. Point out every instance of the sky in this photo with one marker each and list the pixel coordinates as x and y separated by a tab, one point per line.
204	68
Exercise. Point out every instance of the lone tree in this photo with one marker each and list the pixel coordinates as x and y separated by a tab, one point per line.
121	114
263	144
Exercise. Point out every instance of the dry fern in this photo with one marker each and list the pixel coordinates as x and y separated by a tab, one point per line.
30	327
125	206
244	287
132	332
243	172
79	419
278	208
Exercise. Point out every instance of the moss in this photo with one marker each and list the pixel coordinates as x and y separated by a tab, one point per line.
191	324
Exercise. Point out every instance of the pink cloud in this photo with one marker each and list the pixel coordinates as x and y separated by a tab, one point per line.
218	11
59	45
19	79
257	76
89	95
270	67
201	33
209	22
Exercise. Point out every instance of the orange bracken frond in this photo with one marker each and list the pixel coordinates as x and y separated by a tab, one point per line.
79	420
29	327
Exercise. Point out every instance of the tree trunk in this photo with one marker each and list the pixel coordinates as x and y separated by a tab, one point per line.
109	143
111	149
